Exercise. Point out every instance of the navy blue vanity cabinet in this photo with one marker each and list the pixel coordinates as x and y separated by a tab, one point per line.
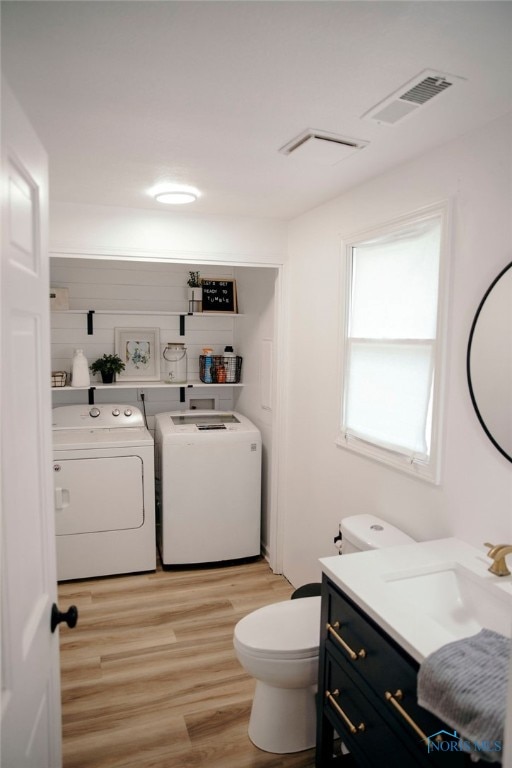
367	695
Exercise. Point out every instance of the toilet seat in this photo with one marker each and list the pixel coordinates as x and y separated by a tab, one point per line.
285	630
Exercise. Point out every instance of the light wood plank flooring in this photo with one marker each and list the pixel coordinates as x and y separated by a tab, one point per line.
149	675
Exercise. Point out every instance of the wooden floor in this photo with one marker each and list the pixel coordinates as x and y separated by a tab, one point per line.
149	675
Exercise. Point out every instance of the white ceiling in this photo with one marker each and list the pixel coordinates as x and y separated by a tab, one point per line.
127	94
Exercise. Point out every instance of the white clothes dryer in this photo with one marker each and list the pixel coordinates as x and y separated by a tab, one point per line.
208	468
104	491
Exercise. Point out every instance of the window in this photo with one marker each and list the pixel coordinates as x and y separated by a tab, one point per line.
392	361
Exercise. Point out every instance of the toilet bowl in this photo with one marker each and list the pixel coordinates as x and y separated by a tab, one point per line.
278	645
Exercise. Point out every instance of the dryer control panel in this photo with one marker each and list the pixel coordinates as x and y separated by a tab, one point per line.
108	416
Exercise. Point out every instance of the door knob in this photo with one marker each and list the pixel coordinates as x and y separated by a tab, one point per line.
70	617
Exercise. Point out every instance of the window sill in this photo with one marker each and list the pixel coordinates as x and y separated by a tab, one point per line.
429	472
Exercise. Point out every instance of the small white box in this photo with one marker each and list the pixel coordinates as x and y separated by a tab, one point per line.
59	299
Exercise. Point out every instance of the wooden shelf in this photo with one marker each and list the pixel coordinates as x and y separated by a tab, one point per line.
141	385
144	385
143	312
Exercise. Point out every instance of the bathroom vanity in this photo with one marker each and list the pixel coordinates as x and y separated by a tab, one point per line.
367	694
383	613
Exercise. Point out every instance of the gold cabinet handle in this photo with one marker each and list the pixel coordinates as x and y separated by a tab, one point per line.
393	699
352	728
353	655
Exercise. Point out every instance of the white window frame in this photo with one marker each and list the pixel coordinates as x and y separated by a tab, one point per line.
429	470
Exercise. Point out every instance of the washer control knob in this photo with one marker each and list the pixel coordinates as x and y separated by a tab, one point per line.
94	412
116	412
128	412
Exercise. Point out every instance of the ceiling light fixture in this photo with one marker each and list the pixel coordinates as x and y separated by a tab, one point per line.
174	194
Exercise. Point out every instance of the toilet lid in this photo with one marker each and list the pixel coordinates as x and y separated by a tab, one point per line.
288	629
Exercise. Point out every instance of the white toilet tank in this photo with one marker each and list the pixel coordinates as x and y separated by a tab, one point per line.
362	532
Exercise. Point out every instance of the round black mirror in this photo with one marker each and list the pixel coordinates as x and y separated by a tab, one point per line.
489	362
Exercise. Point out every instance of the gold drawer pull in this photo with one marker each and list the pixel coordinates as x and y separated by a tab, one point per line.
353	655
394	698
352	728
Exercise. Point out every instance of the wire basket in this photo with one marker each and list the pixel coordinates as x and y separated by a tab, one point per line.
217	369
59	378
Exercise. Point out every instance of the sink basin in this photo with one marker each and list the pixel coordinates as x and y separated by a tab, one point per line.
426	594
459	600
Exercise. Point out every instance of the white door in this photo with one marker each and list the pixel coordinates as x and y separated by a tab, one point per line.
30	704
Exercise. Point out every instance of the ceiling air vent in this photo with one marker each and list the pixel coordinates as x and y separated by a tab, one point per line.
414	94
426	90
322	147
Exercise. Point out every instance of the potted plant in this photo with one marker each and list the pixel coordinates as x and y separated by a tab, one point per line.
108	366
195	292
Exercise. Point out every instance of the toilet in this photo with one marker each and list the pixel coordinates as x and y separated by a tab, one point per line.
278	645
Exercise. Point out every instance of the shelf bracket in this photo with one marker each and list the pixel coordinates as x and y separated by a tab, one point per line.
90	393
182	325
90	327
182	392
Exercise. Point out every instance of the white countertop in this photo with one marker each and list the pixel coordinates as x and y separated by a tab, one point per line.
382	583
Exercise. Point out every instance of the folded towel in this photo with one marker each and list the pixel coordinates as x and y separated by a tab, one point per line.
465	684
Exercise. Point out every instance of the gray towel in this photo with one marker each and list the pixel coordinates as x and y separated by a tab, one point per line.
465	684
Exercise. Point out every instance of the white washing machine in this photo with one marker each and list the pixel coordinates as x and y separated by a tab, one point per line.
104	491
209	485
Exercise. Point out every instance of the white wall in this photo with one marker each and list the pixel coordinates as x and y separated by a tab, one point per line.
122	287
255	331
325	483
141	233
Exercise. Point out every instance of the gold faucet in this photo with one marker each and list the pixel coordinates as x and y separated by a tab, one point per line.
498	552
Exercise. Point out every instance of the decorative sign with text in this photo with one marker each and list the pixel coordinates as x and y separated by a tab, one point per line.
219	295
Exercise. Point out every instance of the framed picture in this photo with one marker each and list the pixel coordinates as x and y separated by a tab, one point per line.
139	349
